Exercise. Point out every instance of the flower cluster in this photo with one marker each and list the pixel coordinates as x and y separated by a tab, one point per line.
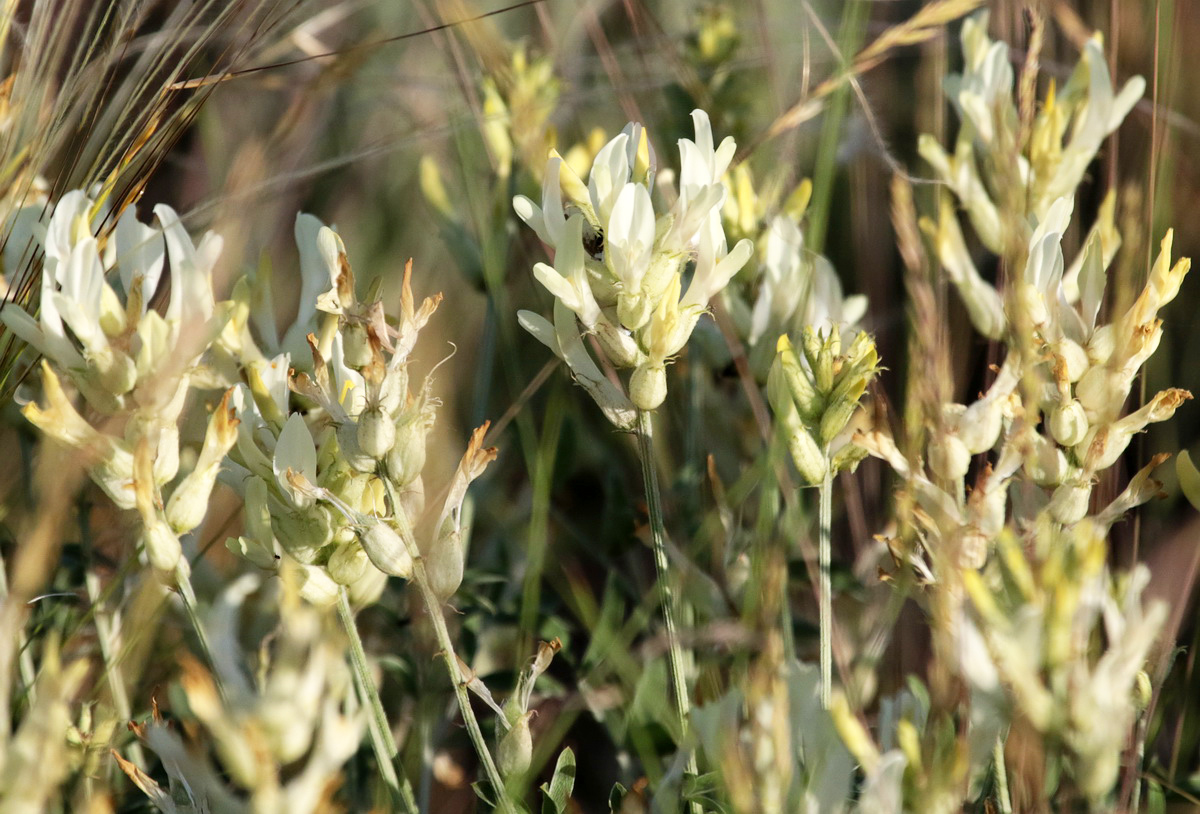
1015	560
275	745
131	364
318	483
619	268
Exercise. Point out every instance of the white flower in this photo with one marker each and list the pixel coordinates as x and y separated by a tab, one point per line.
295	462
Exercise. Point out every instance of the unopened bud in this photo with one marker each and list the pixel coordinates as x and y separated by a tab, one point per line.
648	386
387	551
835	419
376	432
791	372
810	462
1143	690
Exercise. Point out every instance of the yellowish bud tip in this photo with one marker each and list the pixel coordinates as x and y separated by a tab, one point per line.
784	344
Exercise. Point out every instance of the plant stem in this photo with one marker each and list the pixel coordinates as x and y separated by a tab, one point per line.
433	607
183	580
826	589
381	732
1002	798
666	596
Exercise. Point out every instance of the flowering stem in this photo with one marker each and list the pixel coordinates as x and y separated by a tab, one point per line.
826	589
433	607
381	732
666	596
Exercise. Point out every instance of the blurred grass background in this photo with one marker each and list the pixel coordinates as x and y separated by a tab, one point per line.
557	520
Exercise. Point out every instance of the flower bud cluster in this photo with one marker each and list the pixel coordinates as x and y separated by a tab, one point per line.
816	392
619	266
1034	623
1052	159
787	286
314	481
280	742
131	364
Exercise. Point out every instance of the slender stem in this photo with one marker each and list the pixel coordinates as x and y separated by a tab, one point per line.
666	595
183	580
826	589
381	732
1002	798
433	607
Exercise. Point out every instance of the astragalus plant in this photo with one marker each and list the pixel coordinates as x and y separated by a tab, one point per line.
294	578
1003	531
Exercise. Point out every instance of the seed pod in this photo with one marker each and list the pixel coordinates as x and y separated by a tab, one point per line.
352	453
162	546
1068	423
376	432
648	386
516	749
444	564
386	550
949	457
1069	503
303	533
347	563
407	456
356	346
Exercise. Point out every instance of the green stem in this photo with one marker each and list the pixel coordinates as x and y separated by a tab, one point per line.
183	580
826	588
381	733
1002	798
666	595
433	607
